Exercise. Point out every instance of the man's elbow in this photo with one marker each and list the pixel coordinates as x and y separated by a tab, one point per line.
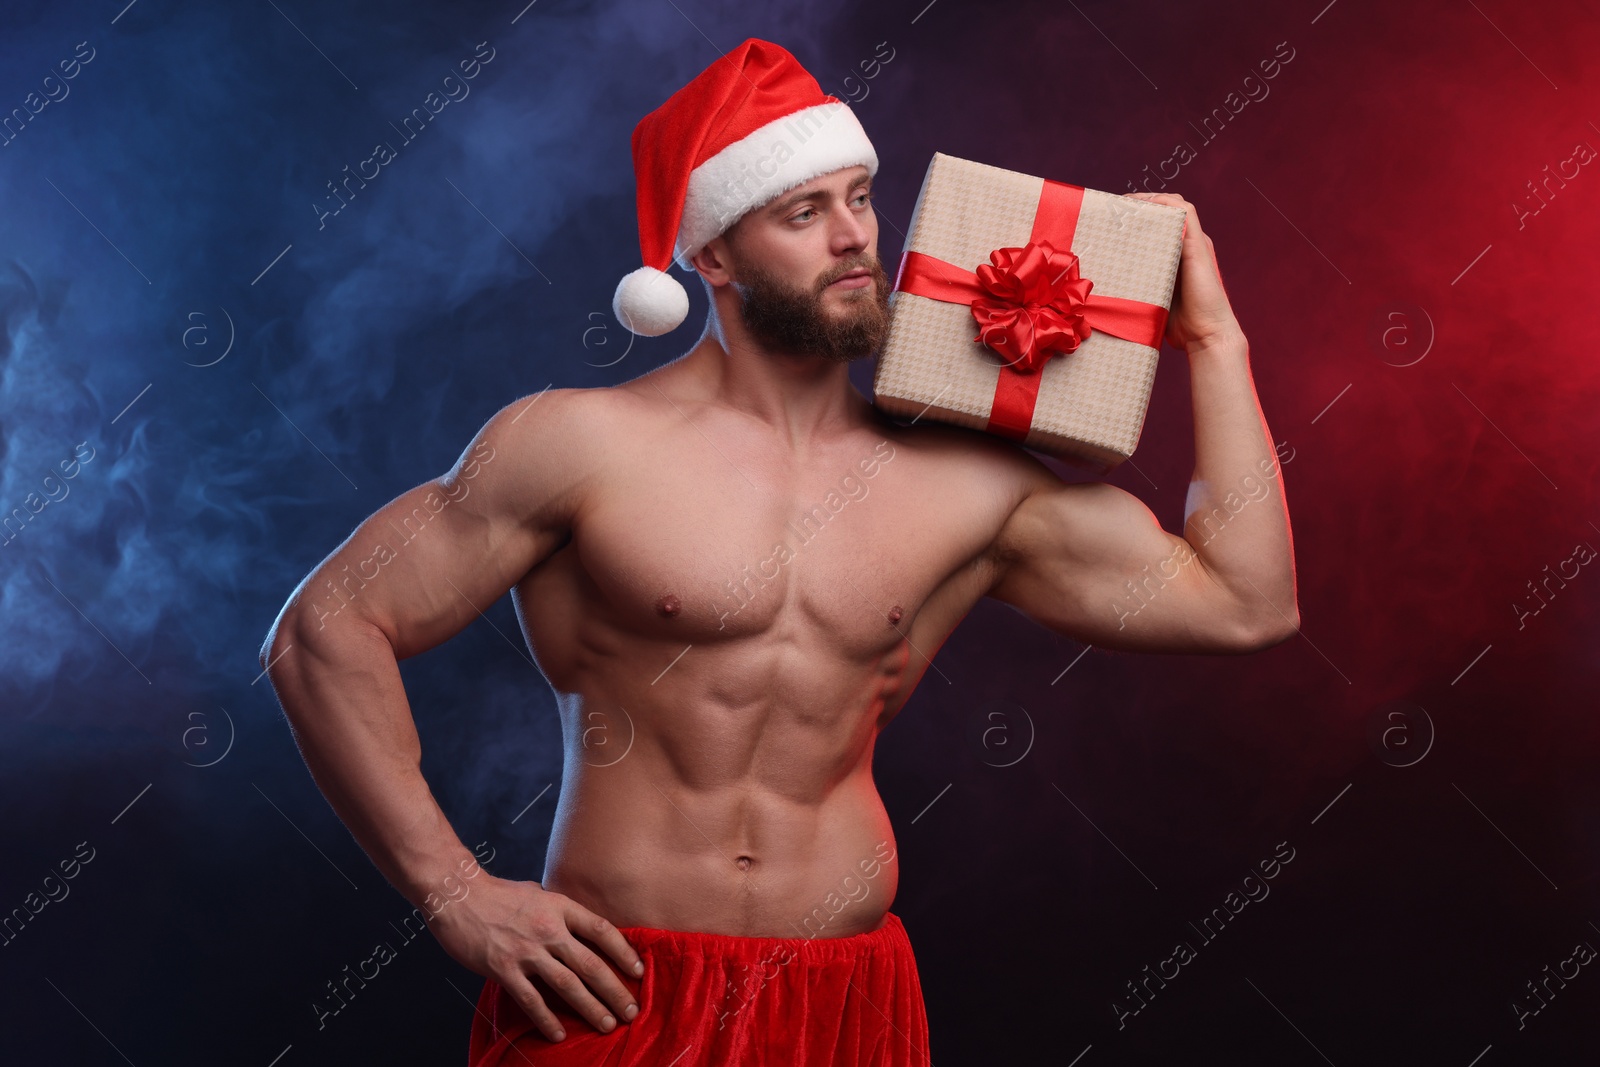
298	622
1265	633
289	629
278	641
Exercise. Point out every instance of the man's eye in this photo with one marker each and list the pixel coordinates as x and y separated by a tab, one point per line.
807	211
863	196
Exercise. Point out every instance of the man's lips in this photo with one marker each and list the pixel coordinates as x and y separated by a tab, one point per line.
856	279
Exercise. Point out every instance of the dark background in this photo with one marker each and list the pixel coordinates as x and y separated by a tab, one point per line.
1423	349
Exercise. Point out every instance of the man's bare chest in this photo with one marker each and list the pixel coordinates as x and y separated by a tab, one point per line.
846	553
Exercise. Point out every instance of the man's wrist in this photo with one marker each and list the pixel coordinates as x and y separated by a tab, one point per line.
437	883
1229	340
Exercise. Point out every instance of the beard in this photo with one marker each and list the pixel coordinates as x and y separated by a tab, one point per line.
785	319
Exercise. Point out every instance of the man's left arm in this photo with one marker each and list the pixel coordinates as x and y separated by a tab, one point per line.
1091	561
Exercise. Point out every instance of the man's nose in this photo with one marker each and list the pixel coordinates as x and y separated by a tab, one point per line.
850	233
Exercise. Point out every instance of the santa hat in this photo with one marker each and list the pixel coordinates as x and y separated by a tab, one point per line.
750	127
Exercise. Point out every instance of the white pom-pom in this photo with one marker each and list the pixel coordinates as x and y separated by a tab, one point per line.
650	302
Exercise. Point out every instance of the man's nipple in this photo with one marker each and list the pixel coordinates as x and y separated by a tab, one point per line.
668	606
895	614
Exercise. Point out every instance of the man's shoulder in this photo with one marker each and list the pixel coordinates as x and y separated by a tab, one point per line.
565	418
543	455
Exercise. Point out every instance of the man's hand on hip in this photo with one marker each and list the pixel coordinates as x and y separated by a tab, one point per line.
507	930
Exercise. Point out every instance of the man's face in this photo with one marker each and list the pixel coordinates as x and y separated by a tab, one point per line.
808	272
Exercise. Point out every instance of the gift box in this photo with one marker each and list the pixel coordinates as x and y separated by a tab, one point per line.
1031	309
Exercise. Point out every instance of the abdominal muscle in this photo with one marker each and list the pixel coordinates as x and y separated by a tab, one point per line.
769	827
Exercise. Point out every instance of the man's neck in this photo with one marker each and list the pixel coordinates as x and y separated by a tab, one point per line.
802	398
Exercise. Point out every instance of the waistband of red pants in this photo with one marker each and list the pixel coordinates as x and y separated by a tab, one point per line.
889	936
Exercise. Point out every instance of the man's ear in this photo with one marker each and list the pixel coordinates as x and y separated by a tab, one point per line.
713	263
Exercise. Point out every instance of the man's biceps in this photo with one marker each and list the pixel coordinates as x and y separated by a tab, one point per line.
383	566
1188	586
1051	545
422	604
1097	522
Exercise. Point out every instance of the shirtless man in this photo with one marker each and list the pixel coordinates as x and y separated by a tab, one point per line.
629	523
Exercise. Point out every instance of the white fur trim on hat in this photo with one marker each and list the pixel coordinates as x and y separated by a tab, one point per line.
775	158
650	302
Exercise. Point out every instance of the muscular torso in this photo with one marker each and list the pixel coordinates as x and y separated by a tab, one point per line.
730	624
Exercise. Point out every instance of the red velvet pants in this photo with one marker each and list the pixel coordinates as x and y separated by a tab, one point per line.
713	999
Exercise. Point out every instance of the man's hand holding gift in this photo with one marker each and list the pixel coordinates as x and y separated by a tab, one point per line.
1201	315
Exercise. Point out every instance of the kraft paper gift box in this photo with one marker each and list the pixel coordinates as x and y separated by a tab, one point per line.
1030	309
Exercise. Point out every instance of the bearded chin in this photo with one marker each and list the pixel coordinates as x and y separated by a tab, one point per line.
795	322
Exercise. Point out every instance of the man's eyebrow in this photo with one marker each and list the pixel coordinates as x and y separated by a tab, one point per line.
787	202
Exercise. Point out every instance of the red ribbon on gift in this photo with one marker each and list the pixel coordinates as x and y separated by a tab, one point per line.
1031	303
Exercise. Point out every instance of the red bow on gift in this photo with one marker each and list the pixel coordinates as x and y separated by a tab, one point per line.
1034	304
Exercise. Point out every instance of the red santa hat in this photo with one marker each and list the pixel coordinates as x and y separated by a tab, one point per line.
750	127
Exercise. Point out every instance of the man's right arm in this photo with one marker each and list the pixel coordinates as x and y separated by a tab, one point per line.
411	576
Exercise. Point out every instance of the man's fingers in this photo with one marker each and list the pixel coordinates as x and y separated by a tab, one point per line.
570	988
587	924
598	977
533	1005
1160	198
1172	200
